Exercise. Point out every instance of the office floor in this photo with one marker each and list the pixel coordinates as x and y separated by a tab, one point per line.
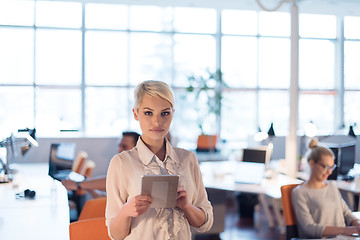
239	228
243	228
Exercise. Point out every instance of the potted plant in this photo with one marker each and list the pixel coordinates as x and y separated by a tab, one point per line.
209	86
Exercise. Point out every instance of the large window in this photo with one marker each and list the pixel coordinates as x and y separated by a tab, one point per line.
74	65
317	73
17	52
106	58
351	70
58	57
255	62
57	109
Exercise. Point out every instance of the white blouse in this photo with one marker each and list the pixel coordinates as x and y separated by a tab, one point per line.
124	182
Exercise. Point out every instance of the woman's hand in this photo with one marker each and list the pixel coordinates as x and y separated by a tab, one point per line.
69	184
352	231
193	214
182	200
137	205
120	225
356	222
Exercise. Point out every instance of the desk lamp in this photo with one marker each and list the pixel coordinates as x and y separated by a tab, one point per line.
12	145
310	130
271	131
260	135
351	131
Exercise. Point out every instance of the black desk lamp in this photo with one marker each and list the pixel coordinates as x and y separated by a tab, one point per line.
351	131
271	131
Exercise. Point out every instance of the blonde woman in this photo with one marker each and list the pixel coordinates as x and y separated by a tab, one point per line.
319	208
128	215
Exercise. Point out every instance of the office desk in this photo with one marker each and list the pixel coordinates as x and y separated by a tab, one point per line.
220	175
351	189
210	156
45	217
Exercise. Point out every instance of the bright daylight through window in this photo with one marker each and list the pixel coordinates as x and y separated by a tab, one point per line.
80	61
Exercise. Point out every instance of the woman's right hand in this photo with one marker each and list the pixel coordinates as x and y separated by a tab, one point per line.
352	231
137	205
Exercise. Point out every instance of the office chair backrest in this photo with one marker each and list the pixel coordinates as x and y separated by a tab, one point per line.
94	208
288	211
88	168
79	161
89	229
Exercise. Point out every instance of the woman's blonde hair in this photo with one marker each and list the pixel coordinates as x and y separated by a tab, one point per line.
316	151
153	88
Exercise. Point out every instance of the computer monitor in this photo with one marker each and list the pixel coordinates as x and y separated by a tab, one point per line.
344	159
260	154
347	159
61	158
334	174
252	168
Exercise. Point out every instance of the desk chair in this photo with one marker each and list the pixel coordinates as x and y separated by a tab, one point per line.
94	208
86	170
288	211
89	229
79	161
86	167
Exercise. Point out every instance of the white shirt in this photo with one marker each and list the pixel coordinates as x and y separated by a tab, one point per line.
124	182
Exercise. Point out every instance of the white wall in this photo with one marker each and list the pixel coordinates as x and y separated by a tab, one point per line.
100	150
279	144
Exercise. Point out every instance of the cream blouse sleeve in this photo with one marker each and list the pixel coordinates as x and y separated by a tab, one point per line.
116	190
200	199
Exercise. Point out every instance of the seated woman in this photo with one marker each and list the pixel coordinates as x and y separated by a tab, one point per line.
319	208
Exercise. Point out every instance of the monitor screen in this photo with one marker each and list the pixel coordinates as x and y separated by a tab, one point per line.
344	159
66	151
334	174
347	159
254	155
61	156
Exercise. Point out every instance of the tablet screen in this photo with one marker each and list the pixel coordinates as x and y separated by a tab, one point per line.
162	188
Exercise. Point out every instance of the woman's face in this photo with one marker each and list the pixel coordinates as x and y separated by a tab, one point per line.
321	170
154	115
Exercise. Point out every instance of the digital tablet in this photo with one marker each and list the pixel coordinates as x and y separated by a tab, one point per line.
162	188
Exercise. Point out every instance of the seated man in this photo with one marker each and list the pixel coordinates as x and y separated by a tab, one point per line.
128	141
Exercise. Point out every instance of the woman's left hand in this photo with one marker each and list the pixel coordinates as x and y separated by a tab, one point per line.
182	200
193	214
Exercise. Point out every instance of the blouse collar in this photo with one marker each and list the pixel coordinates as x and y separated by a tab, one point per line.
146	155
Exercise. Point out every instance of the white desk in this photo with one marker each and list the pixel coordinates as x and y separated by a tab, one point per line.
45	217
220	175
210	156
340	237
351	189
